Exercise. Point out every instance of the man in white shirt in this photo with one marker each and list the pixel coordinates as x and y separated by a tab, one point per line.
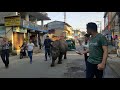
30	47
84	46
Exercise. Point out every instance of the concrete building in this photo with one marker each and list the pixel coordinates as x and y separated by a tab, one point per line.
111	22
59	28
106	21
77	33
20	26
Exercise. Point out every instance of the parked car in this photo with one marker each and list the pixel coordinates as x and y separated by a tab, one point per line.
71	45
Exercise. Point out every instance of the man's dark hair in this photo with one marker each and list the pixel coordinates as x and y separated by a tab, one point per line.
47	36
87	35
92	26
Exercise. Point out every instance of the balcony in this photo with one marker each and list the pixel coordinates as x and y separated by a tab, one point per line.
35	15
39	15
30	25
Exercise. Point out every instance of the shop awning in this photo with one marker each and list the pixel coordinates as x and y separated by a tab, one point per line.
44	31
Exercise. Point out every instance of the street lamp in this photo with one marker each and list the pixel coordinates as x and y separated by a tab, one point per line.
100	23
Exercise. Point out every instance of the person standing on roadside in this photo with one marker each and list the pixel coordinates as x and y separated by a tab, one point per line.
47	44
85	46
98	52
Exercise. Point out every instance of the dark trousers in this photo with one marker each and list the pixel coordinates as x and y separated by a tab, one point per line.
30	54
92	71
5	57
65	57
47	52
86	57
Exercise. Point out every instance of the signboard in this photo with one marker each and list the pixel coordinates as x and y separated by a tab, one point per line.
25	24
76	37
12	21
18	29
30	25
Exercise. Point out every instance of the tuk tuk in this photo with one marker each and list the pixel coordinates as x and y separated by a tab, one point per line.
71	45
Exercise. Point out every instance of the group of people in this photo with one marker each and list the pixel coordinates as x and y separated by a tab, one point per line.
96	46
27	49
95	51
5	44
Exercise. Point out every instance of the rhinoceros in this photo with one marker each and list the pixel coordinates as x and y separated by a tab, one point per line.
58	49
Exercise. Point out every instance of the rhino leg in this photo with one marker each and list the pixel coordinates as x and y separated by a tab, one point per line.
60	58
53	62
65	57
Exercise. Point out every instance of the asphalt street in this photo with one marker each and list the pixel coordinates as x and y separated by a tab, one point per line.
72	67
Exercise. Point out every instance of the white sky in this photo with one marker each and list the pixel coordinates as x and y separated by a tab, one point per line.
77	20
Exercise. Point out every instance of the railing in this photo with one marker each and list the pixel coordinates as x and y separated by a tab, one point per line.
30	25
26	24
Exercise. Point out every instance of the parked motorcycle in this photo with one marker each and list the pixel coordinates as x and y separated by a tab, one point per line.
21	52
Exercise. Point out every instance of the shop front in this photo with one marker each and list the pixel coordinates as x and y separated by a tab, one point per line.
19	35
33	32
18	30
33	37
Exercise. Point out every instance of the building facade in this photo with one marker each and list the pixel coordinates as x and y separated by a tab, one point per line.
77	34
111	23
59	28
22	26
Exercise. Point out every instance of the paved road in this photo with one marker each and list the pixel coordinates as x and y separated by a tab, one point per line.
73	67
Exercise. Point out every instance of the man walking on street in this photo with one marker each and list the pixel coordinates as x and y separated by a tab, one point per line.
5	52
30	47
47	44
98	52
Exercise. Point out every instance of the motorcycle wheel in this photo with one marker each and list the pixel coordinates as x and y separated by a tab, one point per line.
21	56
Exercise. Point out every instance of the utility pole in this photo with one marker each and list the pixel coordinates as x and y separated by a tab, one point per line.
64	16
100	25
64	23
